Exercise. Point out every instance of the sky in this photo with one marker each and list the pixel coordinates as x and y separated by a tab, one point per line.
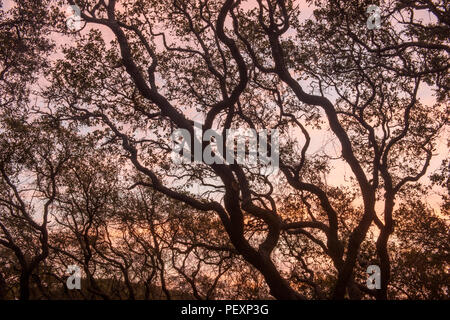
322	140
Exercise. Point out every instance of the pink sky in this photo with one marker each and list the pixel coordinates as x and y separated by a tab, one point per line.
321	139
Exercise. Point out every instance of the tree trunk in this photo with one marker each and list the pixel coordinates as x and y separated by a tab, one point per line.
24	293
2	287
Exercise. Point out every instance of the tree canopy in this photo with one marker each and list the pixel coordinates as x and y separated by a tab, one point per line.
88	176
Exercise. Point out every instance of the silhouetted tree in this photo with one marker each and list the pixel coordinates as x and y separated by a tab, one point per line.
357	133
